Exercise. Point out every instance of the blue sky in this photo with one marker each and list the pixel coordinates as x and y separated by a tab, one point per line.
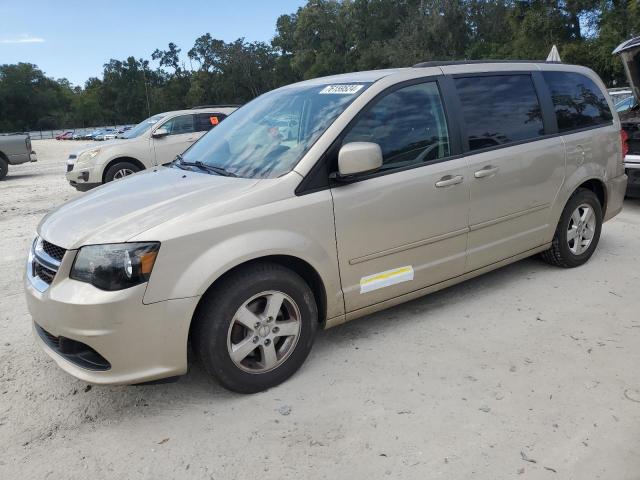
73	39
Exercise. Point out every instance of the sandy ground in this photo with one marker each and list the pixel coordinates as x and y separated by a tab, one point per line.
527	372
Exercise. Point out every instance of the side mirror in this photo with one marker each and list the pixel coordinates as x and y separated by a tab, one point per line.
359	157
160	132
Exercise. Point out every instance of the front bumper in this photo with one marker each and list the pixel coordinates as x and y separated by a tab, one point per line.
82	176
139	342
632	169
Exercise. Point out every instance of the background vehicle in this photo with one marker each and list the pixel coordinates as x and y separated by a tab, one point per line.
91	135
106	134
318	203
64	136
629	53
78	136
122	131
155	141
14	150
619	94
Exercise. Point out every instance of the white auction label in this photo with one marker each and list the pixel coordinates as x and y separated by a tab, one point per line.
340	89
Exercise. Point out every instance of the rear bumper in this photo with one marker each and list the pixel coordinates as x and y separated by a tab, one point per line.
22	158
632	169
616	189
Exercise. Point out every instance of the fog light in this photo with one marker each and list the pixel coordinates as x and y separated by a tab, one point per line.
84	176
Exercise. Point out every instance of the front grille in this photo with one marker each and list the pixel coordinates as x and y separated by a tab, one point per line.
76	352
44	260
53	251
45	274
69	167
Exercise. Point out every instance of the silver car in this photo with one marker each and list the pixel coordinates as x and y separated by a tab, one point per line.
318	203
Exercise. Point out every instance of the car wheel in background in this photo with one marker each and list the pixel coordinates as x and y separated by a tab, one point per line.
4	168
578	231
120	170
255	329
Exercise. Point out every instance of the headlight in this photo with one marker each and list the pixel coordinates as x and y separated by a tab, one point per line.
115	266
88	155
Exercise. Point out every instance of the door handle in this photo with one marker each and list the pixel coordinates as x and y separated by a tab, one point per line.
449	180
191	139
487	171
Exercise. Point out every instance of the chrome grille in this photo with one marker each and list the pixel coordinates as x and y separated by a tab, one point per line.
44	261
45	274
52	250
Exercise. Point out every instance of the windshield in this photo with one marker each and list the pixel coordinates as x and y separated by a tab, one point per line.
267	137
625	104
143	126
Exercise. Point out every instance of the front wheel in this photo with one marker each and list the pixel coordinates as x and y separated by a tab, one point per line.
578	231
256	328
120	170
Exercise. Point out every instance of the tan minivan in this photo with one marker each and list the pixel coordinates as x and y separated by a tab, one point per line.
318	203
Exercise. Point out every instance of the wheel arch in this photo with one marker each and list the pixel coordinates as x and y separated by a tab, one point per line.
598	187
112	162
303	268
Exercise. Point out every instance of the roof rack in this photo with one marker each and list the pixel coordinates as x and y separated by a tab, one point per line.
445	63
216	106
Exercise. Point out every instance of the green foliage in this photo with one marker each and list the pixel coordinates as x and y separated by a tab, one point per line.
322	38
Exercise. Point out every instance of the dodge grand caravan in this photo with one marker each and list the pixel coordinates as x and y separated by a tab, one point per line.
318	203
154	141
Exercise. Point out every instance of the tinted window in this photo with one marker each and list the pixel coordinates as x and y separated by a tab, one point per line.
578	101
206	121
499	109
408	124
179	125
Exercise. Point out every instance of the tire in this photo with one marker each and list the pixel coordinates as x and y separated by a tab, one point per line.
569	253
241	299
4	168
120	170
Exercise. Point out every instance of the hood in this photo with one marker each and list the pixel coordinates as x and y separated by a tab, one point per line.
102	145
629	52
119	210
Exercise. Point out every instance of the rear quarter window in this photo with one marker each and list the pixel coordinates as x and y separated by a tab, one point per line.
499	109
206	121
578	101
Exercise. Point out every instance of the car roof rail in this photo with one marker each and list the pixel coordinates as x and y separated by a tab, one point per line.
444	63
216	106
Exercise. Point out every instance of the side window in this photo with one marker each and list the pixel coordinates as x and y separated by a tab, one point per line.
408	124
179	125
499	109
578	101
206	121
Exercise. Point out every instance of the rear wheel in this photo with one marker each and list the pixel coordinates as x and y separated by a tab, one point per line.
4	168
255	329
120	170
578	231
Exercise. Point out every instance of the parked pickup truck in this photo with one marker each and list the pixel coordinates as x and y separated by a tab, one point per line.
14	150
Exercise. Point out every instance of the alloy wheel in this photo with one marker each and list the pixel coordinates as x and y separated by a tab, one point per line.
581	229
123	172
264	332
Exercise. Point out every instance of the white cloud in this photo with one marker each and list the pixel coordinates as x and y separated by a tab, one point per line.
24	38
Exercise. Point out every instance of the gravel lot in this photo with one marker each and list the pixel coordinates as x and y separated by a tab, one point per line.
527	372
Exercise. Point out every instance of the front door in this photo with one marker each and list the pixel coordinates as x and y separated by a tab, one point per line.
404	227
180	137
513	170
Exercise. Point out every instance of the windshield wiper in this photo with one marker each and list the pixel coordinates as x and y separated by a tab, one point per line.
203	166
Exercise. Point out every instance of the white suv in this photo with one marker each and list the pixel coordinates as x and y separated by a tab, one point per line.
154	141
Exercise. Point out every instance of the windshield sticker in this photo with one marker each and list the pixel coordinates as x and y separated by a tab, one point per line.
340	89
